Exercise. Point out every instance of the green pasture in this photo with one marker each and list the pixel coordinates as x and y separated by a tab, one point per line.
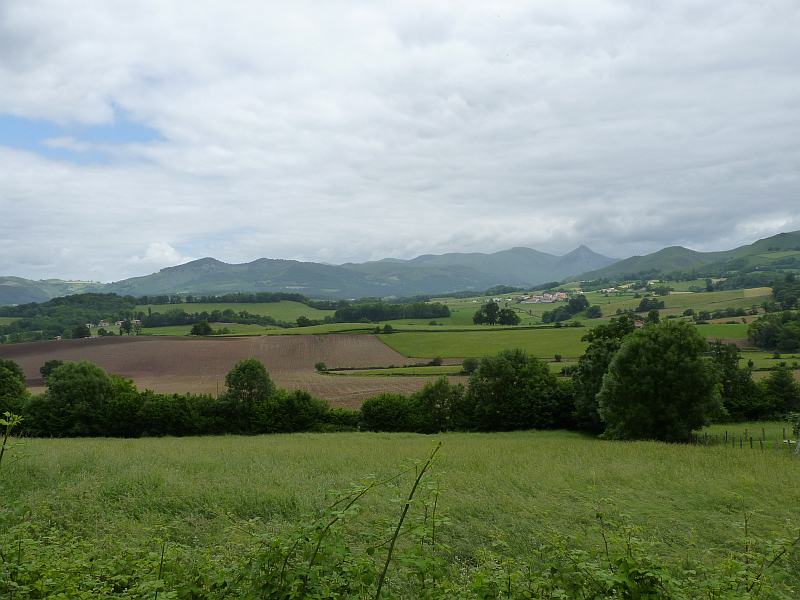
544	343
507	490
723	331
7	320
285	310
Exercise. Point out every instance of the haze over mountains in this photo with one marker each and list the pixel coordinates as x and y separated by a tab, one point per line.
426	274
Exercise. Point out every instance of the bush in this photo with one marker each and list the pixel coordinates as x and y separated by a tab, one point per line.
436	361
433	405
81	331
320	367
388	412
49	366
781	391
469	365
201	328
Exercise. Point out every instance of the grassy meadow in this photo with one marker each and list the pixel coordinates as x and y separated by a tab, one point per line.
544	343
509	490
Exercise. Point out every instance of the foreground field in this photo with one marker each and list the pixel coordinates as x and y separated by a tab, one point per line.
183	364
504	490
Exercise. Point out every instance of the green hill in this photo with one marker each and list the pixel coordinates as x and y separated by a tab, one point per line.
779	252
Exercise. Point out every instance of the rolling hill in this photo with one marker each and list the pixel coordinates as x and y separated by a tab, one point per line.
780	251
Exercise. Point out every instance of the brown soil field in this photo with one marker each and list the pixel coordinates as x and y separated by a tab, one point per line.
182	364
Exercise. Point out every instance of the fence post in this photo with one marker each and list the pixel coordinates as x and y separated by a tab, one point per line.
751	443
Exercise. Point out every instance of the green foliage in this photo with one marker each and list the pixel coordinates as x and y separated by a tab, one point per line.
49	366
781	391
320	367
648	304
779	331
657	386
741	397
594	312
604	341
469	365
515	391
13	391
564	313
201	328
508	316
487	314
81	331
388	412
381	311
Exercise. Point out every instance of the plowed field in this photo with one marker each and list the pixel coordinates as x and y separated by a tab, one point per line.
179	364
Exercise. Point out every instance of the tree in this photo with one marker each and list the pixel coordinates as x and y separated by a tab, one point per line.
126	327
13	392
303	321
782	392
514	391
388	412
433	405
653	317
469	365
741	397
487	314
658	386
508	316
604	341
49	366
13	367
201	328
75	401
594	312
81	331
248	382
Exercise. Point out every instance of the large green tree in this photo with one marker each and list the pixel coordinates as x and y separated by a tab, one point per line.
604	341
781	391
512	390
659	386
13	392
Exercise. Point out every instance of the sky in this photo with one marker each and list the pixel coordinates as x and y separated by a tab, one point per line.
139	135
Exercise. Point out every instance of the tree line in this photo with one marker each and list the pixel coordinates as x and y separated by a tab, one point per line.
660	382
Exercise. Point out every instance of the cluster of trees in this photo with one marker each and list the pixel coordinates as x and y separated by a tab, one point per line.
658	383
81	399
382	311
776	331
505	392
61	316
787	292
242	298
564	313
648	304
491	314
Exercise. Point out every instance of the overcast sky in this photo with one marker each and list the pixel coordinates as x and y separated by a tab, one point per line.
136	135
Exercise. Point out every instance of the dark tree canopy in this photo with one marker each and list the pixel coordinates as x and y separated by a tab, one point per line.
658	386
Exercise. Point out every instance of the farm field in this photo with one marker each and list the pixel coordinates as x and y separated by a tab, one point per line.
723	331
201	495
7	320
544	343
285	310
185	364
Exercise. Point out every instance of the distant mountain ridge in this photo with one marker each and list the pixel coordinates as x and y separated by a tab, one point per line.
427	274
779	251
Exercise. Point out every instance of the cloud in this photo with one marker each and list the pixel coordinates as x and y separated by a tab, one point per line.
350	131
159	254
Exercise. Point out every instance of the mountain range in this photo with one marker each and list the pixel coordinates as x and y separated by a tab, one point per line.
427	274
423	275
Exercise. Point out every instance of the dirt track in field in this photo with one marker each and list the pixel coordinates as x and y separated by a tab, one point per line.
180	364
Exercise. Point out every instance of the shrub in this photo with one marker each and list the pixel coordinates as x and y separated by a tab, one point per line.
469	365
433	405
13	392
320	367
201	328
49	366
388	412
436	361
